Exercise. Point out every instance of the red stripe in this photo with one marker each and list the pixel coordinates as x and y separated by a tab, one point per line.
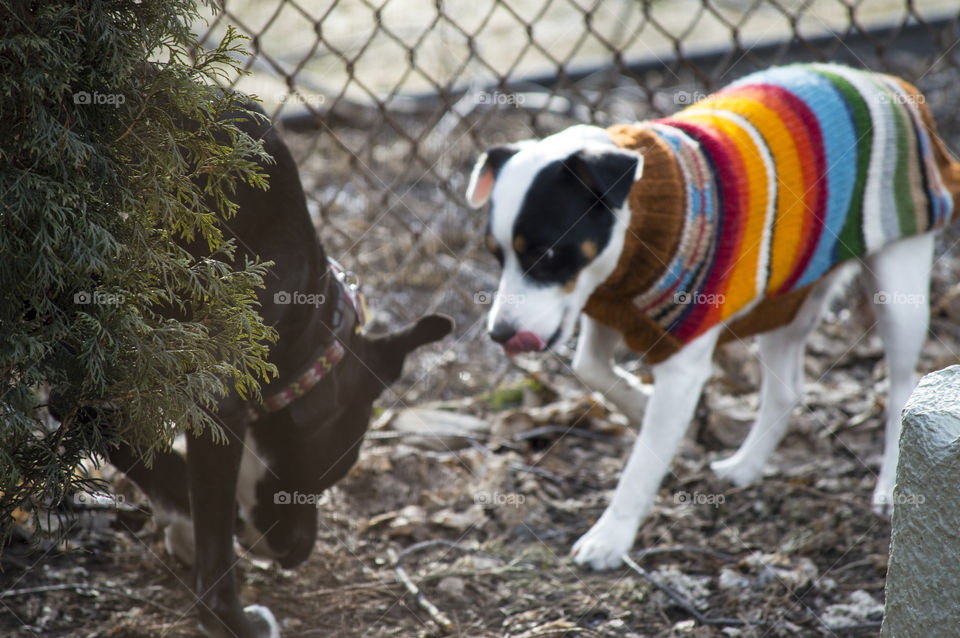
728	168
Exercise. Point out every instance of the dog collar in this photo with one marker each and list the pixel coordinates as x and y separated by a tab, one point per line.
350	314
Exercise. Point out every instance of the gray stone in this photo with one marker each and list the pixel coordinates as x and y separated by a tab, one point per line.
923	576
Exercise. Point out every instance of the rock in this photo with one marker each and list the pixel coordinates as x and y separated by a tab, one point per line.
923	583
452	586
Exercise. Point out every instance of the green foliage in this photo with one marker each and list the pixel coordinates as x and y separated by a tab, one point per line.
116	150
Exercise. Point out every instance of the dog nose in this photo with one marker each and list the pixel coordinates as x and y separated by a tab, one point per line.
502	332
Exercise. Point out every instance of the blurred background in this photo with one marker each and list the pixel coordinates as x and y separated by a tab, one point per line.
387	103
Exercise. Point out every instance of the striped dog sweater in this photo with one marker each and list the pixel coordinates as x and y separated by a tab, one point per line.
753	194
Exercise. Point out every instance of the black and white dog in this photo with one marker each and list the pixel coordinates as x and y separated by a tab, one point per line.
262	485
562	210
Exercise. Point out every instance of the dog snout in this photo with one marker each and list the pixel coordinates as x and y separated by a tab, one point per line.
502	332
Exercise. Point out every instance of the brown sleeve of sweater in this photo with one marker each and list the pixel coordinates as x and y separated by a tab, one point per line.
658	207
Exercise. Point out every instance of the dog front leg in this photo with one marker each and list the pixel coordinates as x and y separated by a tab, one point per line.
212	470
677	384
593	365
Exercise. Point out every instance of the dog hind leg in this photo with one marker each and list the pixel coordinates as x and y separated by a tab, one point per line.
677	384
781	387
900	277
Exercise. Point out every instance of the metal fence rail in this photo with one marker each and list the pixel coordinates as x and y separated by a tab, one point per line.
396	98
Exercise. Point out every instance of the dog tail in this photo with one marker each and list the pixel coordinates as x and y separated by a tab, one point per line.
947	164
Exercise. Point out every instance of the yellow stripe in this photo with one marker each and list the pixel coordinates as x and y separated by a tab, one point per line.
788	226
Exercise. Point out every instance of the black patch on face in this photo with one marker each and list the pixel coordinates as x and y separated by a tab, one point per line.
569	202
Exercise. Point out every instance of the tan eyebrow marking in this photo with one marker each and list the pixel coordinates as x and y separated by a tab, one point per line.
519	244
589	249
491	244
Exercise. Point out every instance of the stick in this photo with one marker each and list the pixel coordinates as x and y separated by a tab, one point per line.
438	616
685	604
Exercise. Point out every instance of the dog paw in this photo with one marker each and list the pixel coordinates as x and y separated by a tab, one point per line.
263	621
733	469
605	544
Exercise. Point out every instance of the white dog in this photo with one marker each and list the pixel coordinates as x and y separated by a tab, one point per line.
732	218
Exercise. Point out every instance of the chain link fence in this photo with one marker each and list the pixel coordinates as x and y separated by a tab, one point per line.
387	103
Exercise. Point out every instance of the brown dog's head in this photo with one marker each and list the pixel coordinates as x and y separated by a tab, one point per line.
296	453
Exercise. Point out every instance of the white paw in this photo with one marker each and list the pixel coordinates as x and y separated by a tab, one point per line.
883	497
735	470
263	620
607	541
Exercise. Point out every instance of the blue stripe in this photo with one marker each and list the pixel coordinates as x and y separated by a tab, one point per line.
840	152
677	139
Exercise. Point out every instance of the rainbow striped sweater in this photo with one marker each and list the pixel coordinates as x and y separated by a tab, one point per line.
754	193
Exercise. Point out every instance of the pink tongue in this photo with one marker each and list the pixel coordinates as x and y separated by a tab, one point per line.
523	341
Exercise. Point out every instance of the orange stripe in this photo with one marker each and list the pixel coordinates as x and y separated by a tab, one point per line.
741	284
791	220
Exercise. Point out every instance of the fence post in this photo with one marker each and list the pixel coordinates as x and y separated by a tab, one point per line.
923	575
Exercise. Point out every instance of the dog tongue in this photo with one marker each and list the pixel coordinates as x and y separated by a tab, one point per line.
523	341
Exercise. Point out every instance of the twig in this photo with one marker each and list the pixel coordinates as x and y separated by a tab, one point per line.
438	616
381	435
685	604
26	591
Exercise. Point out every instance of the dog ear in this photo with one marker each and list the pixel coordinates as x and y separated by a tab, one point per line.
485	173
392	348
608	173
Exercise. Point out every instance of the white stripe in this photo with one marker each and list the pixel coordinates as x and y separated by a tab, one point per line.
877	194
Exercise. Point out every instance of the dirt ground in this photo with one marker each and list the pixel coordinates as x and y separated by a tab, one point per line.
483	521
